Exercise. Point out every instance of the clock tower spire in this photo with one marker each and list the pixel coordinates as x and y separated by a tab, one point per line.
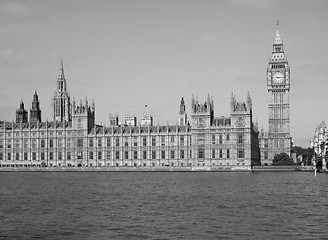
278	83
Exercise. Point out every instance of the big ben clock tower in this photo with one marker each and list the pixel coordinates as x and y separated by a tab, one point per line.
278	82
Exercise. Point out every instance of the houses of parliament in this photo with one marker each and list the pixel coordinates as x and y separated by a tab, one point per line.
198	141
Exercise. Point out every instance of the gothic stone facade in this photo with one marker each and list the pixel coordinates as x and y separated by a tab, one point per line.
319	143
225	142
73	139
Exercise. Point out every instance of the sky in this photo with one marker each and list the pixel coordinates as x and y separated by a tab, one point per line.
126	54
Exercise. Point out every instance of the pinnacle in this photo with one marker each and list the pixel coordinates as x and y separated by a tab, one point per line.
61	73
277	39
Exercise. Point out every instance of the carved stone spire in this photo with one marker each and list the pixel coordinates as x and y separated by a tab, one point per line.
249	101
61	71
182	106
21	113
277	40
35	112
61	100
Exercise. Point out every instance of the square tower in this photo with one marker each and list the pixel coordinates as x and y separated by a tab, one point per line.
278	83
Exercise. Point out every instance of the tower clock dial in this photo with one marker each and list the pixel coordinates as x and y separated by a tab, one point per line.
278	78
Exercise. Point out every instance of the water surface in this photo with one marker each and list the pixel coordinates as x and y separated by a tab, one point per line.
167	205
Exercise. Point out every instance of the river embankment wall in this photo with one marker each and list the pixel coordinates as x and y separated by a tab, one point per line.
158	169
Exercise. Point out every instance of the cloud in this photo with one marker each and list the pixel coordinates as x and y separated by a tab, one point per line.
262	4
14	9
10	54
21	28
242	78
210	38
7	53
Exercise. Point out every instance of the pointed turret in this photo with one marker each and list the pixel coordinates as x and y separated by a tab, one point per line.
93	105
61	78
232	102
86	103
61	71
277	40
208	98
62	109
35	96
182	106
21	113
278	47
182	113
21	105
249	101
35	112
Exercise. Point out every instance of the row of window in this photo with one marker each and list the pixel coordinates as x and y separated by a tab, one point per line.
119	164
126	155
220	153
227	137
117	141
96	155
17	156
35	133
162	139
276	66
34	143
91	142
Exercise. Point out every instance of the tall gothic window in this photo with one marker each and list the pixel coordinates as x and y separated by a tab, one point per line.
153	141
240	139
201	153
240	153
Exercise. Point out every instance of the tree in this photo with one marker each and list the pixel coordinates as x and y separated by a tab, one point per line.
310	152
305	153
282	159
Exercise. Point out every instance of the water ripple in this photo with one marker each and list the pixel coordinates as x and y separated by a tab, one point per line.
163	206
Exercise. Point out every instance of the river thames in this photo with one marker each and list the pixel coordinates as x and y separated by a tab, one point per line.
163	205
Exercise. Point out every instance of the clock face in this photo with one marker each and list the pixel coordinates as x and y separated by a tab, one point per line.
278	78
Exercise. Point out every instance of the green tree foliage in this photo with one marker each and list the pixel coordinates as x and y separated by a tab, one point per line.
307	154
282	159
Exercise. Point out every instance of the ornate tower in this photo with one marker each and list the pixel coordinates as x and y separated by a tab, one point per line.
182	113
21	113
61	100
83	116
202	115
278	82
35	112
242	129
